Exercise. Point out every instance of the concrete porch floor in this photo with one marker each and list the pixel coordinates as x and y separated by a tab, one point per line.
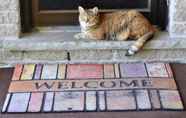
179	73
57	45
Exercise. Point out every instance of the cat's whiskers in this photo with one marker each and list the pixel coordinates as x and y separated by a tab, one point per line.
87	27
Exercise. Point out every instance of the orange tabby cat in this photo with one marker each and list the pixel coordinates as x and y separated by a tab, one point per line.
120	25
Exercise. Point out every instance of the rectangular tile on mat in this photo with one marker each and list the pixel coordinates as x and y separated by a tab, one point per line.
133	70
92	87
157	70
109	71
120	100
49	72
85	71
38	71
69	101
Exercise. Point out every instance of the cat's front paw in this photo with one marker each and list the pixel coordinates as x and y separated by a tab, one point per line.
129	53
78	36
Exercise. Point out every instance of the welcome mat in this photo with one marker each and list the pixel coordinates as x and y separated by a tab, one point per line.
92	87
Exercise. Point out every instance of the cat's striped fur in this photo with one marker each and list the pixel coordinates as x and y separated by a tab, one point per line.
120	25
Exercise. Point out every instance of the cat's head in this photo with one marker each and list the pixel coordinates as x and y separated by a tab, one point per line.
89	17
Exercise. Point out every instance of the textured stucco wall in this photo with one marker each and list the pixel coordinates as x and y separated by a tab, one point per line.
177	24
9	18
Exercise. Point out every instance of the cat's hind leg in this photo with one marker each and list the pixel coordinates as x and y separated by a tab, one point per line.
123	36
139	44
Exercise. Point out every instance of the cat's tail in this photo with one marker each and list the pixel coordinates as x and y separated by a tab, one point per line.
139	44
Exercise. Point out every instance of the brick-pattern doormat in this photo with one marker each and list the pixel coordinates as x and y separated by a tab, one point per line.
92	87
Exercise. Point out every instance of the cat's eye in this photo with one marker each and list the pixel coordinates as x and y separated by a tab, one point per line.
85	19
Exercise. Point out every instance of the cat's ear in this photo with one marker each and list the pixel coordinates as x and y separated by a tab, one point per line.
95	10
81	9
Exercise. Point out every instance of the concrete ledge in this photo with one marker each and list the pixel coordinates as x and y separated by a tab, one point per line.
61	47
58	41
45	55
95	56
119	56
